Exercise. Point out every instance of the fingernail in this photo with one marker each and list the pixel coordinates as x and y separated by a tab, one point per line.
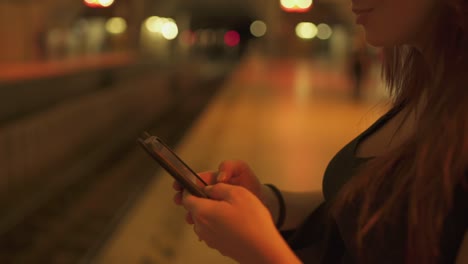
221	176
208	188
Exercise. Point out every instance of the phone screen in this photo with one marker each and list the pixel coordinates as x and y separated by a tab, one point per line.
175	162
156	148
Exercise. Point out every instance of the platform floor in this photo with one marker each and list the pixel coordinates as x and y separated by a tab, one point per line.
287	118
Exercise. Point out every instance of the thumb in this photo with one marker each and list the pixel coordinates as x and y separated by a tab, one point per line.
229	169
221	191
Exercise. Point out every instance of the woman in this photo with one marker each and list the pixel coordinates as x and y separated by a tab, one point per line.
398	193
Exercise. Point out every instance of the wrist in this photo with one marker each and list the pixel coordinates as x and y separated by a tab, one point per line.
275	204
270	201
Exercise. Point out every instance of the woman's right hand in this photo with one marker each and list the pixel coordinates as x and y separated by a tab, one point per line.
234	172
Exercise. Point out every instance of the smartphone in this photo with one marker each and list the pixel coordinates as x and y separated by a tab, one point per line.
182	173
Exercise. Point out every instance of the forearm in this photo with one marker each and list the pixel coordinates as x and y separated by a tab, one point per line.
270	250
298	205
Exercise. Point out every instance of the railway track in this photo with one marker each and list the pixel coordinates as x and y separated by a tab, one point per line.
76	222
73	224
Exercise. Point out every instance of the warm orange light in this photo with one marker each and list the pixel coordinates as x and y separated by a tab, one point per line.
299	6
91	3
98	3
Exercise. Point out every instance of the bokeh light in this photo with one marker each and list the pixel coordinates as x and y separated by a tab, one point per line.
154	24
188	37
288	3
306	30
169	30
105	3
98	3
116	25
258	28
232	38
296	5
304	3
324	31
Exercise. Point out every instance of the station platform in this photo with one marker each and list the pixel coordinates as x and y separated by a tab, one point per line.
286	118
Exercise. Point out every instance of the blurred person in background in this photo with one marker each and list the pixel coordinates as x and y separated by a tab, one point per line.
398	193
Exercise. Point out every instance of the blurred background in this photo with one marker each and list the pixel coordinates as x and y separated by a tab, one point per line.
280	84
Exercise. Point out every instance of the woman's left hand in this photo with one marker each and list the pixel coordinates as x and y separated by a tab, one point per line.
237	224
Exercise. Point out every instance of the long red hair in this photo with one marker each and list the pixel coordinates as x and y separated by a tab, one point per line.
419	177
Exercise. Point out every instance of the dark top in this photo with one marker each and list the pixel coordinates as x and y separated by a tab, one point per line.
324	239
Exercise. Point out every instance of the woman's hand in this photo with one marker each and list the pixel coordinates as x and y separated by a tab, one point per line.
239	173
232	172
236	223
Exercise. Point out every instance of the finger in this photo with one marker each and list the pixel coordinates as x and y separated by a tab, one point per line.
177	186
189	218
208	176
221	191
178	198
196	229
189	201
195	204
230	168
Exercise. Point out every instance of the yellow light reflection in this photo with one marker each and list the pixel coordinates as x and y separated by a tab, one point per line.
154	24
306	30
105	3
301	4
258	28
304	3
324	31
288	3
116	25
169	30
